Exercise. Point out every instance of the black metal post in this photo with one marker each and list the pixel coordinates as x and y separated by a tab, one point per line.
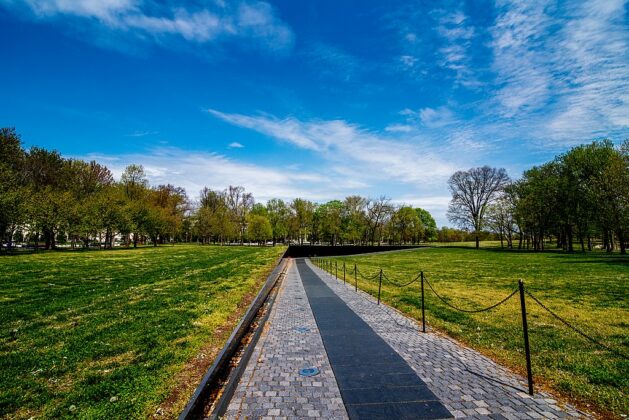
525	329
336	269
379	286
355	279
423	313
343	272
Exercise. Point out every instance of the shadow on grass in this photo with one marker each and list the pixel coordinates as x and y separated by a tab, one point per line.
610	260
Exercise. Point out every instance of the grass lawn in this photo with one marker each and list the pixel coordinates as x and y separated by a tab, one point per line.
590	290
468	244
118	334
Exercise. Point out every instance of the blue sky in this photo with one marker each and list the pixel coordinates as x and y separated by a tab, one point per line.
318	99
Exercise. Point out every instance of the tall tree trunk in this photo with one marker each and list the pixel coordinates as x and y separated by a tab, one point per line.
47	240
621	241
477	241
520	239
610	241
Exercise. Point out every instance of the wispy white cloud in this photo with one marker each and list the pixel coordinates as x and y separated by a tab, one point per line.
520	56
254	21
439	117
143	133
561	68
457	35
235	145
332	62
546	73
195	170
400	128
437	204
430	118
365	154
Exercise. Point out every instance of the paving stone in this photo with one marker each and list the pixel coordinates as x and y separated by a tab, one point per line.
459	376
271	385
469	384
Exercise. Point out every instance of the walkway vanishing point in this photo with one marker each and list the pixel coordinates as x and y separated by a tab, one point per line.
330	352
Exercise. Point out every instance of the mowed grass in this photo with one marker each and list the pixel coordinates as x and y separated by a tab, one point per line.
590	290
115	334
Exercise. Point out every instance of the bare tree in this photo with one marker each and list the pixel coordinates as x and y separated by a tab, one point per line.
240	203
472	191
500	218
378	211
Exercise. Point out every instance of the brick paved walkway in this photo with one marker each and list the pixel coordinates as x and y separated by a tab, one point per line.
467	383
271	386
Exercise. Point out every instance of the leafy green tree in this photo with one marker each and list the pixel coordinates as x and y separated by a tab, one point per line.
214	220
406	226
430	226
135	186
44	173
279	216
330	217
259	228
610	189
302	218
170	205
13	192
354	219
538	203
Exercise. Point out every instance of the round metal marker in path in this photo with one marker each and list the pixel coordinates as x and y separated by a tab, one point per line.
309	371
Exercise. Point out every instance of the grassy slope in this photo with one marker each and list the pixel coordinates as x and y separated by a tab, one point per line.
109	332
591	290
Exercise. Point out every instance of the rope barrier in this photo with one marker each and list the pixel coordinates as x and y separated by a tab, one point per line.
375	276
575	329
402	285
471	311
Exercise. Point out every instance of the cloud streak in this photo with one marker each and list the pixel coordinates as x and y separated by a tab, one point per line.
140	20
564	75
367	155
195	170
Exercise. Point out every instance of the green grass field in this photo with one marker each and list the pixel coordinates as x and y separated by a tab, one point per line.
118	334
591	290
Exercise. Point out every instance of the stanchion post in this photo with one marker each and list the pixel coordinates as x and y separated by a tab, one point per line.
343	272
355	278
525	330
423	312
379	286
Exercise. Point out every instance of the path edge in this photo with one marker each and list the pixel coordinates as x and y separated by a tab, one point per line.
197	402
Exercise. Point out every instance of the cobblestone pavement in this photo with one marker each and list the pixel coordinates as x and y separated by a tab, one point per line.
469	384
271	386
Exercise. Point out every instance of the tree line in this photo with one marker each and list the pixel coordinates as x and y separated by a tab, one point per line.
580	197
48	199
